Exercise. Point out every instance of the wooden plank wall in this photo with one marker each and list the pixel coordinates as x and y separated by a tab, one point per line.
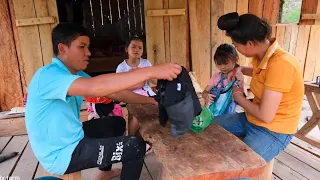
167	36
10	85
303	41
27	48
205	37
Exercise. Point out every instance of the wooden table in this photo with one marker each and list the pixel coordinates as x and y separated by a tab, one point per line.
212	154
312	91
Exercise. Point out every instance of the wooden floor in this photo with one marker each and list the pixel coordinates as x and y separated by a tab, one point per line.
299	161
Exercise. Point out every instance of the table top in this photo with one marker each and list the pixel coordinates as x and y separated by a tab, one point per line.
214	153
311	87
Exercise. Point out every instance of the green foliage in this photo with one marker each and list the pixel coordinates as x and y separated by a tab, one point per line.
291	11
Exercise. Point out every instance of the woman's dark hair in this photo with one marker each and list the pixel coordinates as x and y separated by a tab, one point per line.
225	53
244	28
65	33
134	38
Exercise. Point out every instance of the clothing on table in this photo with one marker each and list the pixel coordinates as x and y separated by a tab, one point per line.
178	102
104	145
146	89
281	72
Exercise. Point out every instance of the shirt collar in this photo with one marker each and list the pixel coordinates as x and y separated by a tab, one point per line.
59	63
264	63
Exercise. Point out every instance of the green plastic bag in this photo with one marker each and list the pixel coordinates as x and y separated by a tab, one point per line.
202	121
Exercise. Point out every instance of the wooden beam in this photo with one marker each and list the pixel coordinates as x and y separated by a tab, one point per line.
312	62
310	16
302	44
28	40
199	12
154	33
271	11
166	23
256	7
10	81
314	142
308	7
166	12
41	7
35	21
178	34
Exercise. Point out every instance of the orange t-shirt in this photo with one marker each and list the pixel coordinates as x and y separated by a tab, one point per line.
281	72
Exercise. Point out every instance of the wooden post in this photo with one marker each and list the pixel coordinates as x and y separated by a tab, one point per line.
10	82
308	7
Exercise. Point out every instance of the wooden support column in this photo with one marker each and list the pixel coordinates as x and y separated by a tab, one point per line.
10	82
308	7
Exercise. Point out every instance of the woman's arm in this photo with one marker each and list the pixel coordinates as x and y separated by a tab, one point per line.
266	110
246	70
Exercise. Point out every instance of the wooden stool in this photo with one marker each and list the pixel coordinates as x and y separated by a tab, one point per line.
71	176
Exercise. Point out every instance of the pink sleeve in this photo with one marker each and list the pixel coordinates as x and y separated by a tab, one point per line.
214	79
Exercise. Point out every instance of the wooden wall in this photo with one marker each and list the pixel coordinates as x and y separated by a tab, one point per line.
167	36
24	49
10	82
302	41
205	36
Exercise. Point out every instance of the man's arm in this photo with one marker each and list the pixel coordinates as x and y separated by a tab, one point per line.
106	84
128	96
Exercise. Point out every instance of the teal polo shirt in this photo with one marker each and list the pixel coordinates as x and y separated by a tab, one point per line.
52	117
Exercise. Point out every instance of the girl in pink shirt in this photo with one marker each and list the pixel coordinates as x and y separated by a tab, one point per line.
225	58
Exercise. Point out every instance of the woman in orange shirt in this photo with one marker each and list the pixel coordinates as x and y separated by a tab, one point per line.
270	121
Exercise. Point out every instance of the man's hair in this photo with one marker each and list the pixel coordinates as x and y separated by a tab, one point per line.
65	33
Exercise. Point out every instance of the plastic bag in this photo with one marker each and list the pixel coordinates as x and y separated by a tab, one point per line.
202	121
223	103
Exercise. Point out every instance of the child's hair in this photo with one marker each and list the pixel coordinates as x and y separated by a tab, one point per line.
65	33
244	28
225	53
134	38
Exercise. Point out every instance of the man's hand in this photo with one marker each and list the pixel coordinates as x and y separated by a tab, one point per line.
168	71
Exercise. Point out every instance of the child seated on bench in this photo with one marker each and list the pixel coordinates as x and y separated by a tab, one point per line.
134	49
221	82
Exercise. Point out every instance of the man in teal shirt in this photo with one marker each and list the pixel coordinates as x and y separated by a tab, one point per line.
62	143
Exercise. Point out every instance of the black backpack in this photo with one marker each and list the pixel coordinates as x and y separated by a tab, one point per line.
178	102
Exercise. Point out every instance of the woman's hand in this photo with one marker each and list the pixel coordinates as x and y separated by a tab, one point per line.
209	99
240	77
237	90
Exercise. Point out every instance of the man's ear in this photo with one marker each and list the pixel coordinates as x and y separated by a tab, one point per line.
62	48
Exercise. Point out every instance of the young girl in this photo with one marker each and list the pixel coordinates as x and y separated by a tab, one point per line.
134	49
225	58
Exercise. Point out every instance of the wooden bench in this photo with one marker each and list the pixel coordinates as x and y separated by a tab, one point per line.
312	91
71	176
212	154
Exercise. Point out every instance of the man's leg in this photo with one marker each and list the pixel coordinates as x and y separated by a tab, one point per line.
110	126
234	123
264	142
133	125
94	152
